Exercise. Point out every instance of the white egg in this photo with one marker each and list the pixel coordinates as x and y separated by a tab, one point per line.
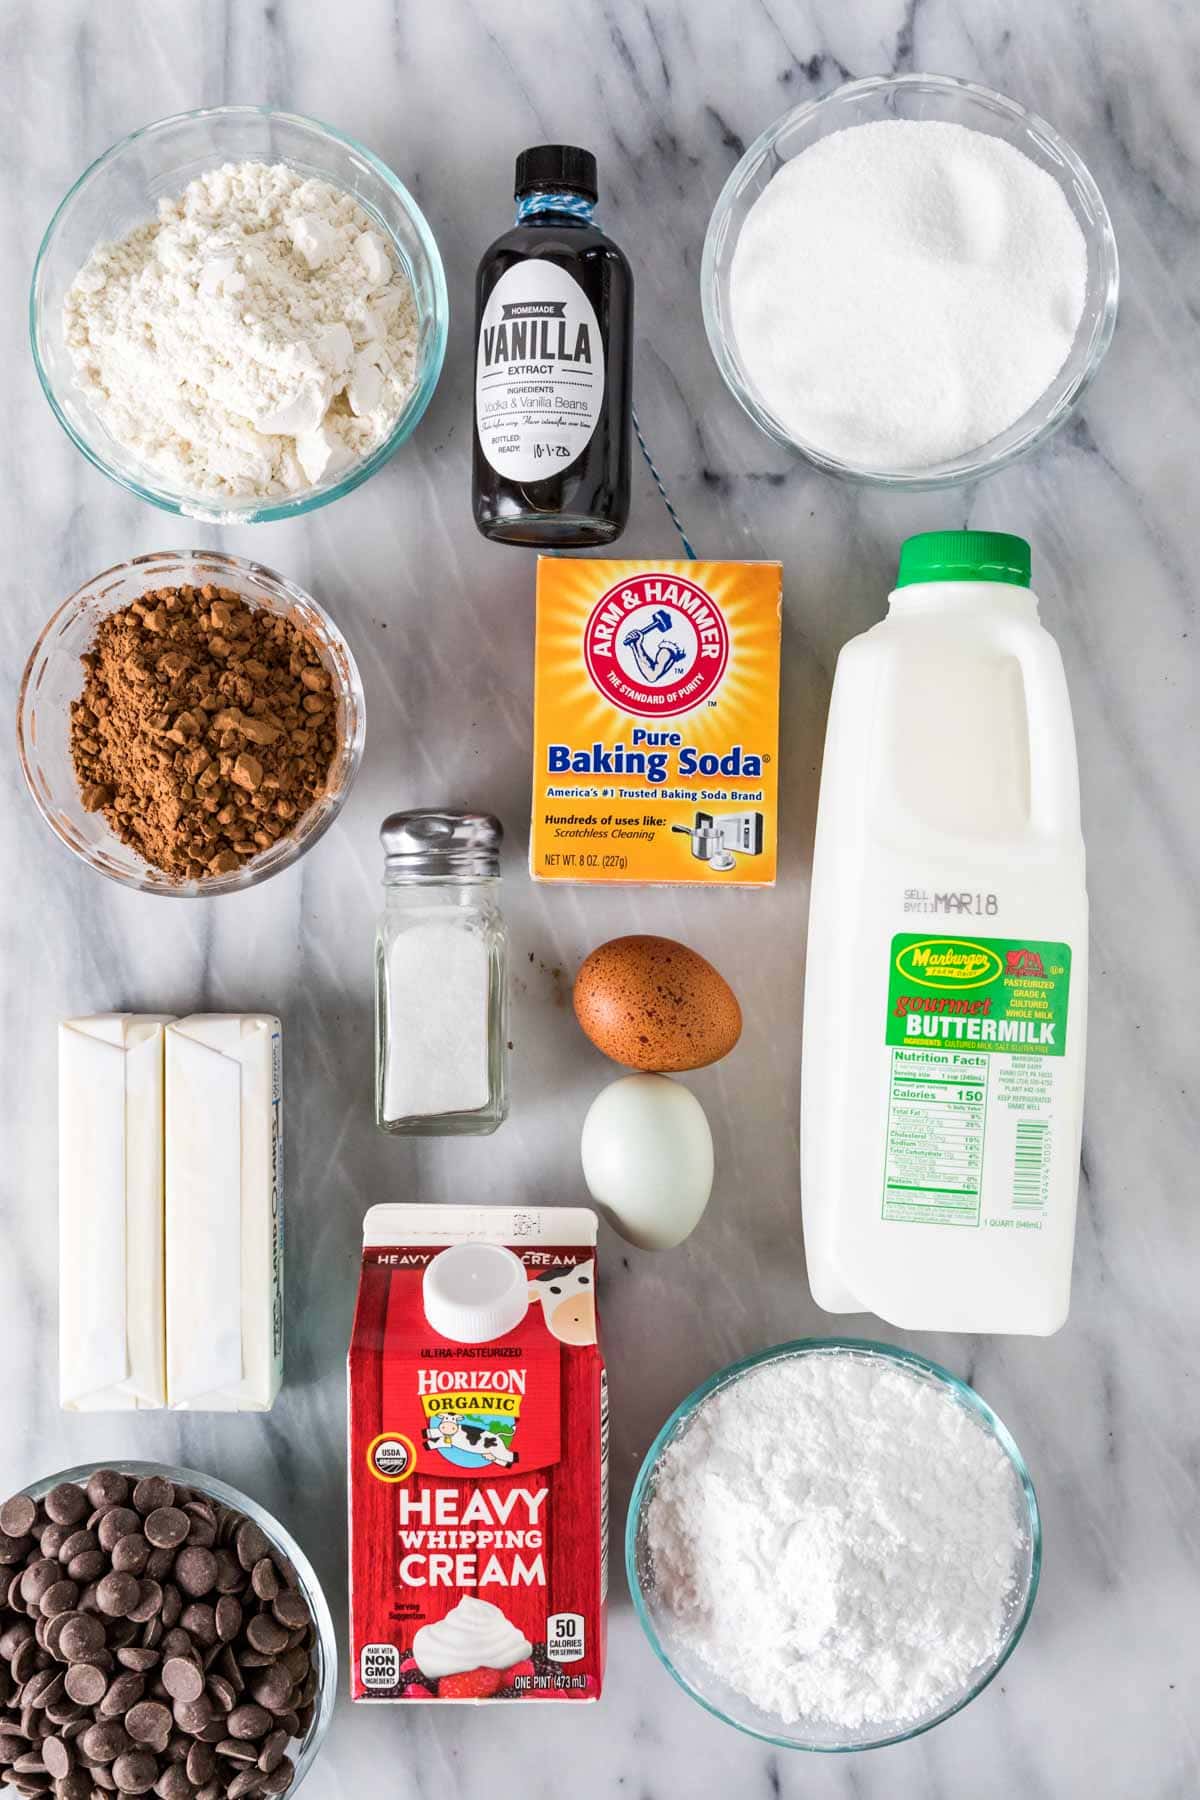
648	1159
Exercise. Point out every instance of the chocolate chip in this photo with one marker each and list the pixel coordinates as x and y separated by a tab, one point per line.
149	1603
272	1752
273	1689
149	1722
291	1609
118	1594
196	1570
104	1742
248	1782
125	1692
37	1578
252	1545
131	1554
114	1524
18	1516
182	1678
153	1492
59	1597
87	1566
85	1683
265	1579
174	1783
249	1722
266	1634
66	1504
166	1527
141	1661
195	1716
57	1757
81	1635
108	1488
135	1772
228	1618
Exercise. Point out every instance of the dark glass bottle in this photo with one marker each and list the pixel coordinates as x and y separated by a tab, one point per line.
554	337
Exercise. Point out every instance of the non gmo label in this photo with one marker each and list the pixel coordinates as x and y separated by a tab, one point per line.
539	375
379	1666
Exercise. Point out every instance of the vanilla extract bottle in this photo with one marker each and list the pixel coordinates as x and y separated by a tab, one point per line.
553	326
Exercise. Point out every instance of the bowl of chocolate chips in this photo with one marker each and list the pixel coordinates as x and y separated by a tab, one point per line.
159	1634
189	723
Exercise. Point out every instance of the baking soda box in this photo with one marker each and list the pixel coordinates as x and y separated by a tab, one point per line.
478	1457
656	721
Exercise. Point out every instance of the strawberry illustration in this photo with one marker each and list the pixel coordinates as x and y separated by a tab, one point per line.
416	1690
518	1671
473	1684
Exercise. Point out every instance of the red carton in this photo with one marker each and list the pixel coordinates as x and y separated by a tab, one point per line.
478	1457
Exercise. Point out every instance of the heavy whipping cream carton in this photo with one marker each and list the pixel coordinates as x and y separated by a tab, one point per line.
478	1457
656	721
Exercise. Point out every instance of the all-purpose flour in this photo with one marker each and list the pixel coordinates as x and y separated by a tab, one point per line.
902	292
836	1538
251	340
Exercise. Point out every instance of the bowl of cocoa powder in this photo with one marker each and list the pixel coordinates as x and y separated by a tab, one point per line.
189	723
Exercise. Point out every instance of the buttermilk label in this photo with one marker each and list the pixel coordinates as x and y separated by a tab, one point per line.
539	372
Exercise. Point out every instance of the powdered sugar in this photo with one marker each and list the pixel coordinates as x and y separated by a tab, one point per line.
903	291
838	1539
252	340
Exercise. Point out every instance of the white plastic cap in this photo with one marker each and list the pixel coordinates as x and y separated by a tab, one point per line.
474	1293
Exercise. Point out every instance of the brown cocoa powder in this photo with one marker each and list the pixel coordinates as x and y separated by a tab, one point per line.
205	731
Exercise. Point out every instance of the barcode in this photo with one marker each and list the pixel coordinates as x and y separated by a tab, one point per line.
603	1484
1032	1161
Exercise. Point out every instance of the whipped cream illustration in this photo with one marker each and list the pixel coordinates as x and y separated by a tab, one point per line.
473	1635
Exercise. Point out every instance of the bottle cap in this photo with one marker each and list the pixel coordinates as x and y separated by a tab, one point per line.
964	556
474	1293
444	844
551	166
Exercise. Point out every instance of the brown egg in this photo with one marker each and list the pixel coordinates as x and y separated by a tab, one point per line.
653	1004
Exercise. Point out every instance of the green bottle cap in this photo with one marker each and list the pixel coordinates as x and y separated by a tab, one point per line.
964	556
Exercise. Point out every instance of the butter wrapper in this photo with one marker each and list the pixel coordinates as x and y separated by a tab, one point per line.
224	1215
112	1338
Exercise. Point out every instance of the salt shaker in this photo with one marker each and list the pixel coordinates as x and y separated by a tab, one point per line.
441	976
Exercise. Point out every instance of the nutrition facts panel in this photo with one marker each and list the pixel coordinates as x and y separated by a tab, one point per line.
936	1128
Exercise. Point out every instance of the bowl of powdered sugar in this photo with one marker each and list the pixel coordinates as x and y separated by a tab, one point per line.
238	314
833	1545
911	281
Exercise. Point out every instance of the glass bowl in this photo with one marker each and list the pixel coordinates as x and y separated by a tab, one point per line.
289	1552
703	1683
941	97
122	189
53	679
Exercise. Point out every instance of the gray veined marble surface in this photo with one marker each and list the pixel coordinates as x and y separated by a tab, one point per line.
1100	1701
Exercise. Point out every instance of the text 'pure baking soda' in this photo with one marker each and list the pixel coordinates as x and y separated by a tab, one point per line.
946	987
478	1457
656	722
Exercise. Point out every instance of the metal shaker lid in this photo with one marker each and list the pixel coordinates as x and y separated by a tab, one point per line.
420	843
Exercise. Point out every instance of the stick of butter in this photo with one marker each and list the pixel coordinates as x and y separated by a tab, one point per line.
224	1219
112	1339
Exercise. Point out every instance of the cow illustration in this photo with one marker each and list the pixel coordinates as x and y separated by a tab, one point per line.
451	1432
568	1302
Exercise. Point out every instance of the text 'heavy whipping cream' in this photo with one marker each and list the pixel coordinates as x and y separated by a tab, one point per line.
946	986
478	1457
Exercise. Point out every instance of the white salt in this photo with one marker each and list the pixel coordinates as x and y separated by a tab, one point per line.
902	292
438	992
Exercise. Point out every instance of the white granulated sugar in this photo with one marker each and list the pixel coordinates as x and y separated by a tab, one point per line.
837	1539
904	291
252	340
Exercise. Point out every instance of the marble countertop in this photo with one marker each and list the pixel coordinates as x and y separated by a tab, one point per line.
1099	1702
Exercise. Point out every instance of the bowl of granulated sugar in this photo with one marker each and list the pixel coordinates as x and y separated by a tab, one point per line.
833	1545
911	281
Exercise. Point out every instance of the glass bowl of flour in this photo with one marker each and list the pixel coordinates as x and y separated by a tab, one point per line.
911	281
833	1545
238	314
